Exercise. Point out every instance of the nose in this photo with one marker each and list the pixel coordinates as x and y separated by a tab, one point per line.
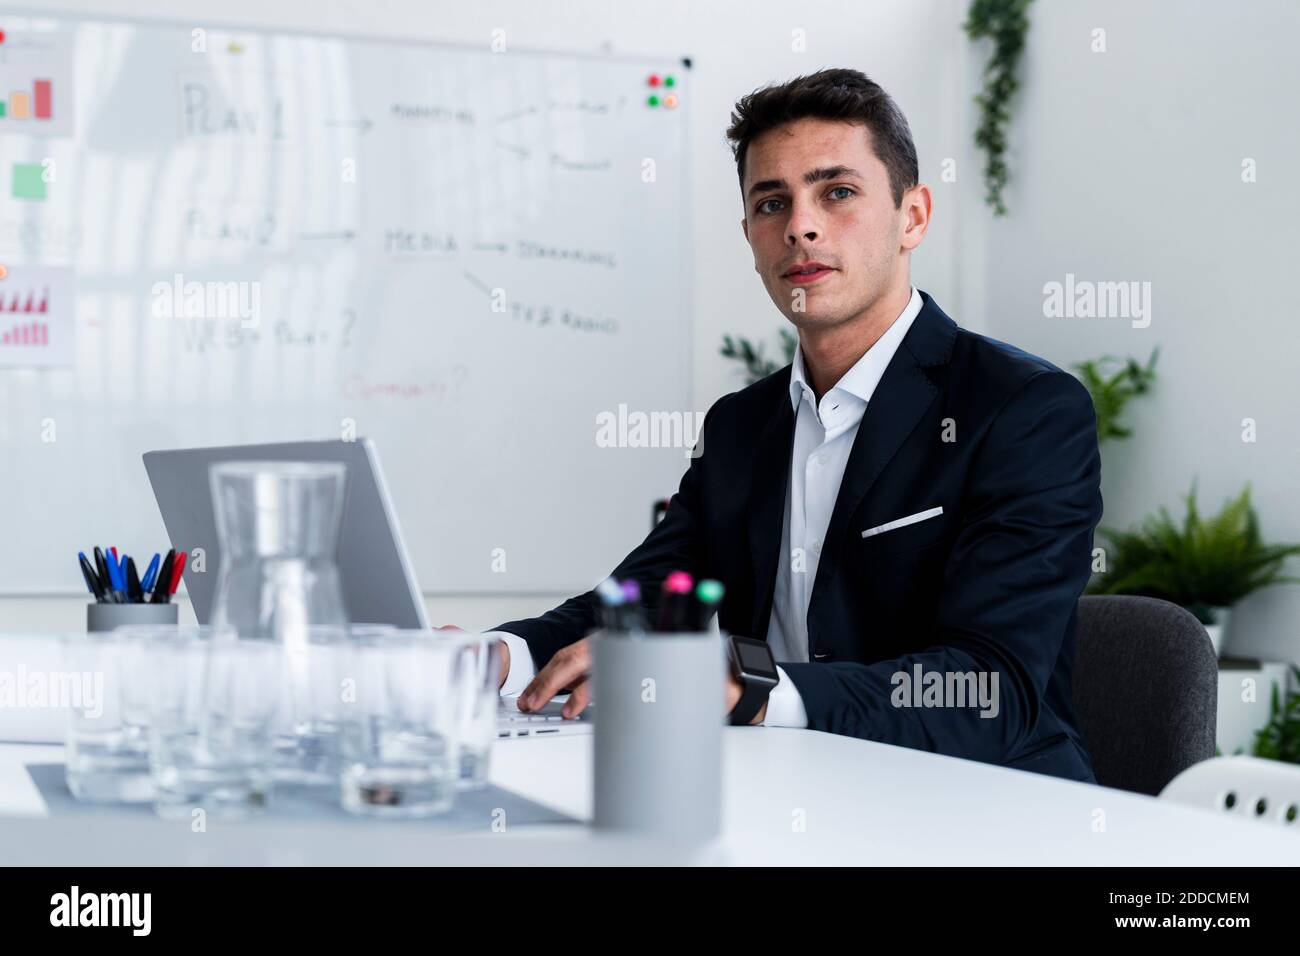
803	225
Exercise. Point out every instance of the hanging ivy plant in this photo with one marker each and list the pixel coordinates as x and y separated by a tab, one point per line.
1005	23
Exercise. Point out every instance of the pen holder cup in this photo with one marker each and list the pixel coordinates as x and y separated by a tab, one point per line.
106	617
658	714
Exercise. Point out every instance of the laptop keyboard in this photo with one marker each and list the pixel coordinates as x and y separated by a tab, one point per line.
512	722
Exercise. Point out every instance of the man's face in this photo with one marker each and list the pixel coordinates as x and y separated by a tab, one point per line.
844	218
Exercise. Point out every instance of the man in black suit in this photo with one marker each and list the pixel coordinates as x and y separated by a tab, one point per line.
905	513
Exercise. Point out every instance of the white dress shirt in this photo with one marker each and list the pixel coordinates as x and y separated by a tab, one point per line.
823	437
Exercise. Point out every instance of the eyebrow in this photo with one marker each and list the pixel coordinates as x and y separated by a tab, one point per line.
810	177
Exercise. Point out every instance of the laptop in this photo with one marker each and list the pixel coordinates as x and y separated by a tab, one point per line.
378	581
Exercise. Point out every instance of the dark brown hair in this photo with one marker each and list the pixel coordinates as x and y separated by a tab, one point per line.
839	94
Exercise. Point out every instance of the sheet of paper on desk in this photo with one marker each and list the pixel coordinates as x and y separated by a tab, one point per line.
31	668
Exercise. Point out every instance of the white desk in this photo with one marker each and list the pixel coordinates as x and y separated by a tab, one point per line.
861	803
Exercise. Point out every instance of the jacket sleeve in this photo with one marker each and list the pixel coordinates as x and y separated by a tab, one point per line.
672	545
1011	583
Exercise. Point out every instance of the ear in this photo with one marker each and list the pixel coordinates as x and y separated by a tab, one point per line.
915	213
744	227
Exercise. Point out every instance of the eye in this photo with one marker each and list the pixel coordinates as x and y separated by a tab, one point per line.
840	189
763	207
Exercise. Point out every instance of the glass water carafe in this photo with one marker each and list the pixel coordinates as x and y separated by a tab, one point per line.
278	530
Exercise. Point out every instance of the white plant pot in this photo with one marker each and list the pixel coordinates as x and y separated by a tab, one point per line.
1219	628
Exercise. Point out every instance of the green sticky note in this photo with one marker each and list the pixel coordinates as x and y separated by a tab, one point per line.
28	183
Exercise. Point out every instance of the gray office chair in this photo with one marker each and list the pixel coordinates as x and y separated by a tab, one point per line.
1146	685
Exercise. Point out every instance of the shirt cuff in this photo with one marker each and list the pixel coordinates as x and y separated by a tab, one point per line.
522	670
784	704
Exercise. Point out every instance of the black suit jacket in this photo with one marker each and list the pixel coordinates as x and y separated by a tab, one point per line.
1006	444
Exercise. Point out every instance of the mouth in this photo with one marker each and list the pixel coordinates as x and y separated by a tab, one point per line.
807	272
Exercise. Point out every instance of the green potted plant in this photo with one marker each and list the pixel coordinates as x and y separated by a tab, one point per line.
1113	383
1279	739
1005	23
757	365
1206	565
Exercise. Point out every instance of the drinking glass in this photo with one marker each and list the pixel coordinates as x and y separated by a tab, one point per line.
400	724
213	700
107	757
311	690
477	672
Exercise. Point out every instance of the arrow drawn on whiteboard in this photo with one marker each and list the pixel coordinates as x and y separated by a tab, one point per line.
517	114
349	320
346	234
478	283
522	151
490	247
361	124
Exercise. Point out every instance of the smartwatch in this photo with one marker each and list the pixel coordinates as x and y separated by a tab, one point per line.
751	664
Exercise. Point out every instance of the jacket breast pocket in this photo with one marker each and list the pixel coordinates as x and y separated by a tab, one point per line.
907	533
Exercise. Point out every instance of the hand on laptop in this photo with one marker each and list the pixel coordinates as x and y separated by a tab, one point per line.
571	668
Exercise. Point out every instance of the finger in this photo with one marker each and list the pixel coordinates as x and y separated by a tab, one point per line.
577	701
558	674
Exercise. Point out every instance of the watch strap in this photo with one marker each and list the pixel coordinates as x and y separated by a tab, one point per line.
753	695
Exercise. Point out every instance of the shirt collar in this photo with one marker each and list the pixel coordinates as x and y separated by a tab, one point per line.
861	380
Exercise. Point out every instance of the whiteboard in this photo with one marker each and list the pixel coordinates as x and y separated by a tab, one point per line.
467	255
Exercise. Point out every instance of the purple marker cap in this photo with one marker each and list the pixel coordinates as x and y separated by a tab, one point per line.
631	591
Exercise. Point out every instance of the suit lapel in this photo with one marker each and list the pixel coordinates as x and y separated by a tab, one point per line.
766	512
902	397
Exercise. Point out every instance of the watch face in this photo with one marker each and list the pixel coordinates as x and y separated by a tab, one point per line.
755	657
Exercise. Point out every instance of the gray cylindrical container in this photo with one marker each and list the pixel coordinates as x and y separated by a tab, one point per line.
105	617
658	749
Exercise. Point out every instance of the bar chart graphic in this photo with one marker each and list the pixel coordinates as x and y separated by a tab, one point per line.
38	103
25	333
36	82
36	316
15	301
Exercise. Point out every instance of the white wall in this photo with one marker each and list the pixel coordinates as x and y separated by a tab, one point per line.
736	47
1127	166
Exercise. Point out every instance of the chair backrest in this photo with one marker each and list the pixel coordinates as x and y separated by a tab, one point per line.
1264	790
1145	690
